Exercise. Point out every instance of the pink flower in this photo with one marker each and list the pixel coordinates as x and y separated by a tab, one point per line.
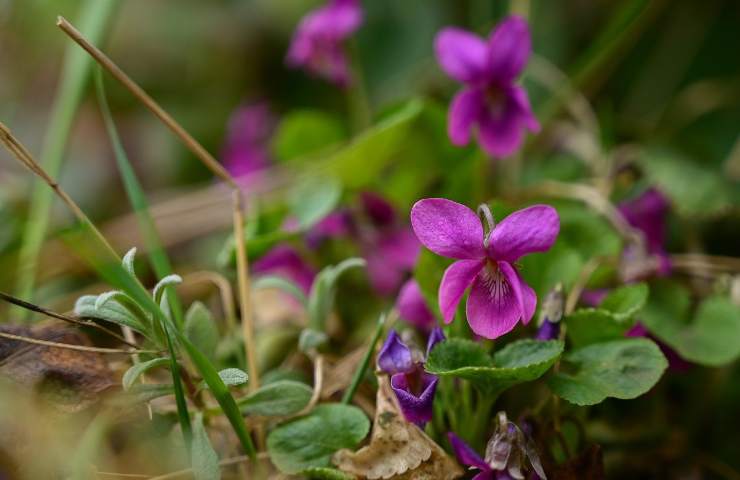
413	308
317	42
647	213
498	298
490	100
284	261
245	152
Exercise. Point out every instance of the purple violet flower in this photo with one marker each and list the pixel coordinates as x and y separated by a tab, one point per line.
245	152
317	42
413	308
499	297
646	213
491	101
414	388
551	314
284	261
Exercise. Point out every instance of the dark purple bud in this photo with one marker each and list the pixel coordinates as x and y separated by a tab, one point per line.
548	331
465	453
415	394
551	314
436	336
395	356
378	209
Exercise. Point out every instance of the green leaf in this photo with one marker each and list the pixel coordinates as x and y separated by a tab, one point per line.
311	339
363	160
711	337
133	373
518	362
428	274
273	281
168	281
626	301
319	473
694	189
145	392
277	399
624	368
614	317
301	134
311	440
323	291
128	261
313	199
203	457
233	376
200	328
112	311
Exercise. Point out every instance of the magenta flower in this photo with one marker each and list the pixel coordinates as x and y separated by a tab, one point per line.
414	388
317	42
647	213
491	101
284	261
412	307
498	298
246	148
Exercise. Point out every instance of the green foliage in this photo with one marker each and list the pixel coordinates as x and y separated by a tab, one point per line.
312	199
323	291
323	473
428	274
362	161
311	440
273	281
111	311
518	362
694	189
138	369
304	133
281	398
233	377
203	457
708	336
200	328
614	317
624	368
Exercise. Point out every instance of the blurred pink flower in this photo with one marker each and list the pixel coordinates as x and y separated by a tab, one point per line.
317	42
284	261
490	99
246	150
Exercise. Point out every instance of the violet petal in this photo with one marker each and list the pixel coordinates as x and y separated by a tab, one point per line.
462	55
448	228
533	229
456	279
465	110
412	307
510	46
436	336
492	307
465	453
395	357
415	408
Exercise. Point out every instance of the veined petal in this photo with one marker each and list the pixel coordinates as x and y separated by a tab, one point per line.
448	228
492	309
436	336
462	54
510	46
512	278
464	112
465	453
530	300
395	357
416	408
456	279
533	229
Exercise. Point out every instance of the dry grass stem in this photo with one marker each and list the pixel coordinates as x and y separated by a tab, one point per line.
81	348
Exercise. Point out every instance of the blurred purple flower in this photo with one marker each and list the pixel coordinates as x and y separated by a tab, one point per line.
245	151
317	42
499	297
337	224
647	213
412	307
414	388
284	261
551	314
490	100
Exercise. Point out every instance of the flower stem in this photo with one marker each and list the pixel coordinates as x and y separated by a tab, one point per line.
360	372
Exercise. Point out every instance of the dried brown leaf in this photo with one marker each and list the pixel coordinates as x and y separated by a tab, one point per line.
397	449
71	380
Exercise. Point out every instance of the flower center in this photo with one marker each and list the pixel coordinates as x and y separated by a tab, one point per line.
495	99
494	282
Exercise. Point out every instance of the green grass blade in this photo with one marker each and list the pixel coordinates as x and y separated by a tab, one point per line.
157	254
360	372
96	15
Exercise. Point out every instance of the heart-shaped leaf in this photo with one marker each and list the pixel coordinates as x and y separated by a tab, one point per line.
518	362
624	368
310	441
712	338
281	398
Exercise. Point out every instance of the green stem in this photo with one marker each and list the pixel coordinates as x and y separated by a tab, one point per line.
360	372
96	15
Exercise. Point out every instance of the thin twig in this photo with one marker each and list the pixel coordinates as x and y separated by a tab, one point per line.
224	289
580	284
210	162
75	321
68	346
